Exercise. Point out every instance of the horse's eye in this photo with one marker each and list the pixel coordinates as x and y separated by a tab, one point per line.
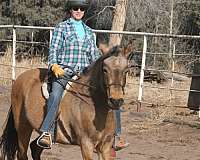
105	70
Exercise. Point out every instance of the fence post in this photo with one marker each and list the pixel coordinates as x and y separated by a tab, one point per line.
13	55
50	37
142	71
172	70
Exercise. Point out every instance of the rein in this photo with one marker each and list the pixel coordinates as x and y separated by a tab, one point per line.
78	75
75	81
76	93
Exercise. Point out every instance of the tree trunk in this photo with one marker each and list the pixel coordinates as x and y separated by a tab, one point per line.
118	22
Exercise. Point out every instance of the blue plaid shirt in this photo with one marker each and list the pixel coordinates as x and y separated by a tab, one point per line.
67	49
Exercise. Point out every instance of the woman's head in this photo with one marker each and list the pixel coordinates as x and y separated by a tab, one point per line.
77	8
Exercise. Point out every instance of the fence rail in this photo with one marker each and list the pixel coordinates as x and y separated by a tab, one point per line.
110	32
139	34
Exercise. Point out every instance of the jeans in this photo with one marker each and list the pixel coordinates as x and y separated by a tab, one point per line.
58	87
118	123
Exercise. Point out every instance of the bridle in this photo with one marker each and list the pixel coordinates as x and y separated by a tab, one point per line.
119	84
75	81
116	84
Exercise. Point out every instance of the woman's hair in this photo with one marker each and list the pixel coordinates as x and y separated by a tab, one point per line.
67	15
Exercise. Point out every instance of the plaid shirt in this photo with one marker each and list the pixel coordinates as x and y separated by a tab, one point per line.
67	49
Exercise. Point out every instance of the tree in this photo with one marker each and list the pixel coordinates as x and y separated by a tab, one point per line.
118	21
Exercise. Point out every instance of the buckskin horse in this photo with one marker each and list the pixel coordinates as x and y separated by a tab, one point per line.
86	113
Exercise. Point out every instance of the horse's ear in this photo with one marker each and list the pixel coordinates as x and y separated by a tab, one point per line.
129	48
103	47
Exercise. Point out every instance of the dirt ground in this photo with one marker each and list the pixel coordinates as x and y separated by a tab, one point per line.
156	132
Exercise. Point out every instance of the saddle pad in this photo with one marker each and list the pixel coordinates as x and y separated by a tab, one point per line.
45	91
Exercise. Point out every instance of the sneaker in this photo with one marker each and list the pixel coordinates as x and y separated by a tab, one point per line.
120	143
45	140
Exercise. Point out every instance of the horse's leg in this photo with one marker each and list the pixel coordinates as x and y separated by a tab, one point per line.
99	155
23	128
104	152
87	148
24	133
36	151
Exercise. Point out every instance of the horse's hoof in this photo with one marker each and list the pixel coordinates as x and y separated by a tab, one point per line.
113	154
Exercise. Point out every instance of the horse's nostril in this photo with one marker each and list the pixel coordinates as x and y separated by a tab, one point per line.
117	102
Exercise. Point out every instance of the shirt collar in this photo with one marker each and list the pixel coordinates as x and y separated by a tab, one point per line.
88	29
72	20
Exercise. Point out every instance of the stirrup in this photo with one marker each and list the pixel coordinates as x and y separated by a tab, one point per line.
44	134
120	147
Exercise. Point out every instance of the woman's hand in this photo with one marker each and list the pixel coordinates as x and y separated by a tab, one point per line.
57	70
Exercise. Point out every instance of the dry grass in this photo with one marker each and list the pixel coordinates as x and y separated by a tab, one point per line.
160	103
21	66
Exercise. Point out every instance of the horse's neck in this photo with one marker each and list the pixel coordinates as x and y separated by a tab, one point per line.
103	116
81	86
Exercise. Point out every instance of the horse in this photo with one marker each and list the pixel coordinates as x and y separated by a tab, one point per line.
86	112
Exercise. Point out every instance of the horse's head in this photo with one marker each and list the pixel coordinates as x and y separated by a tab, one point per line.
115	67
108	76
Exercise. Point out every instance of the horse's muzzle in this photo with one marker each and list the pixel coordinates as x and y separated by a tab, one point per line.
115	103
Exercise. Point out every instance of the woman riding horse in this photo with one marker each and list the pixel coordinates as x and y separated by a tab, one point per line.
73	45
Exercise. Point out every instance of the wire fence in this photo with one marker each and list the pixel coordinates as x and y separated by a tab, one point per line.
11	65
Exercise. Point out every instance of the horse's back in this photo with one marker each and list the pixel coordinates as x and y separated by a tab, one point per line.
26	97
37	74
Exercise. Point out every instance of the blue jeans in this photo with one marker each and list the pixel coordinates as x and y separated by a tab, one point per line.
118	129
58	87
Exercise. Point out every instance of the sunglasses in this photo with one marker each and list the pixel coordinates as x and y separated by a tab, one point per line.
77	8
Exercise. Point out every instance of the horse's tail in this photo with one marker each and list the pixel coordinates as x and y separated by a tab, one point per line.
8	140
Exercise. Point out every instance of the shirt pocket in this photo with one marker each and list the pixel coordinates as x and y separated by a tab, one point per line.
70	40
